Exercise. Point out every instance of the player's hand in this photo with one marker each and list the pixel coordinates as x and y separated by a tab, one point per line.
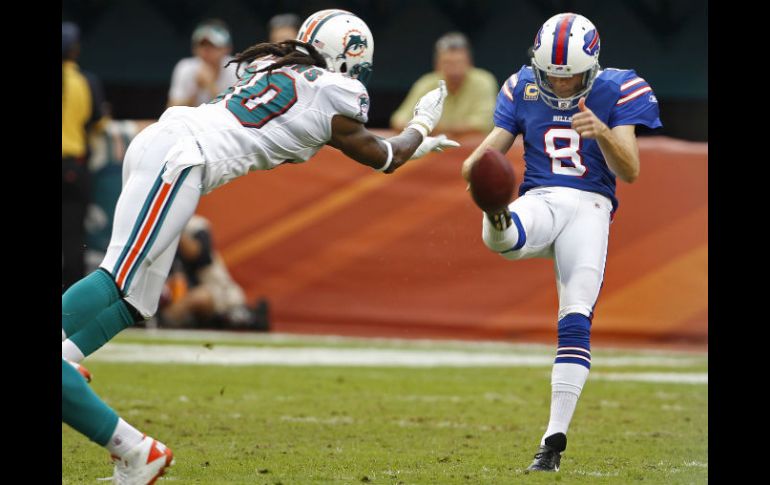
428	110
586	123
466	170
433	144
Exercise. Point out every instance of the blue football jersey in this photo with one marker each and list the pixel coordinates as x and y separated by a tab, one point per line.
554	153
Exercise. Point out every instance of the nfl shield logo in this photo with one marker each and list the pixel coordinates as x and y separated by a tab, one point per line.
564	104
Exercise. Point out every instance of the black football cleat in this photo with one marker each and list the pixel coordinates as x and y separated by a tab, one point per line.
501	219
548	456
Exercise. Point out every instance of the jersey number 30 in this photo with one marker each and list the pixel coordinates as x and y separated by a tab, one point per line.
256	103
559	151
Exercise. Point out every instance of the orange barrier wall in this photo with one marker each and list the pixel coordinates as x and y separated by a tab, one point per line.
339	248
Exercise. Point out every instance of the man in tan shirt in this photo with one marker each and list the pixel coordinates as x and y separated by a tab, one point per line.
470	103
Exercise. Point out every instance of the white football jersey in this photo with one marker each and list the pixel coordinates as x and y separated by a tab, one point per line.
263	121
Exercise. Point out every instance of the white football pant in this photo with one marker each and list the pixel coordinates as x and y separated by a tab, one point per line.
567	225
150	215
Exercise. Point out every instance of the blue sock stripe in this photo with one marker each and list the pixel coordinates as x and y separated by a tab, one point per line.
522	235
574	340
580	348
572	360
574	351
139	221
151	240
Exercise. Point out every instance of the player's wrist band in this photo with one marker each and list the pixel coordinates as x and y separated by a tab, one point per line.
390	157
421	127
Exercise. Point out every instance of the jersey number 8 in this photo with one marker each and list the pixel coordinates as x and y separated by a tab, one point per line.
570	151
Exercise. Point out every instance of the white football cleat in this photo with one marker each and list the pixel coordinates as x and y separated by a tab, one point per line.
143	464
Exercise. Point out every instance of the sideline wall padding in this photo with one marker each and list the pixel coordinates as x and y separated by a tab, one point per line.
339	248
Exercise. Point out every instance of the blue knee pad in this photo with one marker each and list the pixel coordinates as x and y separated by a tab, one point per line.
574	340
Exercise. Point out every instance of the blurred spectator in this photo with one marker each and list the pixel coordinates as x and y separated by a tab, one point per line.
196	80
472	91
284	27
82	103
200	291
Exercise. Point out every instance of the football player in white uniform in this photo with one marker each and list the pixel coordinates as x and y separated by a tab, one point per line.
292	98
578	124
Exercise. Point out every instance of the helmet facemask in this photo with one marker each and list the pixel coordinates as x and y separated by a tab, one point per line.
550	98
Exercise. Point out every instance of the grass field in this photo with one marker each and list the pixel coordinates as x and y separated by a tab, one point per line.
399	418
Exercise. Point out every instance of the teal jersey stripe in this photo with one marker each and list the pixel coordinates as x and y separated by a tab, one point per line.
161	218
138	224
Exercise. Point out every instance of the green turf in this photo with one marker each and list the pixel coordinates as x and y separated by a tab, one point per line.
295	425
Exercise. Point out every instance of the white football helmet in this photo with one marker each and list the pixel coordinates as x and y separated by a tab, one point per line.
566	44
343	39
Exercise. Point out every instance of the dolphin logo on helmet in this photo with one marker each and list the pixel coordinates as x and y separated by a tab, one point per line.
356	44
343	40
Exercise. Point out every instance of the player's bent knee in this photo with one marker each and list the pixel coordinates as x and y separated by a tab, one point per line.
574	340
507	243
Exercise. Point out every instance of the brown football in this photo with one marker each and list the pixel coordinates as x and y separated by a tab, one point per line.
492	181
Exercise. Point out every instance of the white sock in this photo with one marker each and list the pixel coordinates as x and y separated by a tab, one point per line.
124	438
63	335
71	352
567	382
499	241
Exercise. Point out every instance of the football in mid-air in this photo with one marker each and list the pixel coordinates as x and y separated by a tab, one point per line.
492	181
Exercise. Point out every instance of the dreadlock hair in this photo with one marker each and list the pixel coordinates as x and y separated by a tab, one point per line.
287	52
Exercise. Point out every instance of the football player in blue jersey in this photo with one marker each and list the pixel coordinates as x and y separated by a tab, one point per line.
578	126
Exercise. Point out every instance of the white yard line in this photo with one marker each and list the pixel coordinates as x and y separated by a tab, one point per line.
214	336
377	357
677	377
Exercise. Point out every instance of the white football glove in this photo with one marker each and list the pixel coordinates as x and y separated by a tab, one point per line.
433	144
428	109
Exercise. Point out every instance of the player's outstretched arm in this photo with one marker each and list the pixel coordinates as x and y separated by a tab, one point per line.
354	140
358	143
499	138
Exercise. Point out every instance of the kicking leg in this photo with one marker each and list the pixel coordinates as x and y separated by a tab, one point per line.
526	231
